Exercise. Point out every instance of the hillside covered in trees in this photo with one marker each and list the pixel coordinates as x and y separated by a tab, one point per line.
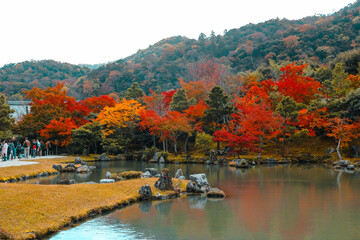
320	41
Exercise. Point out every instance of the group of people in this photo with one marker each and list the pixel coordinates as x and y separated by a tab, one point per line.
12	149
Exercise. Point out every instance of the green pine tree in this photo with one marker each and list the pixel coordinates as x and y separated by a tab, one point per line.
5	119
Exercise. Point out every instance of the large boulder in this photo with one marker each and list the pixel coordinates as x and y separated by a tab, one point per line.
83	169
156	157
329	150
165	181
215	193
153	171
198	184
179	173
162	159
213	156
145	192
107	175
119	157
146	174
351	167
270	161
242	163
57	167
78	160
344	163
103	157
69	168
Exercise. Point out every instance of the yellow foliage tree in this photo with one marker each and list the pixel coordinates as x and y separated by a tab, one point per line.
123	115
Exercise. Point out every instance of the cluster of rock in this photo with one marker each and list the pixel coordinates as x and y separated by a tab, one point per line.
344	164
217	157
199	184
78	166
158	158
150	172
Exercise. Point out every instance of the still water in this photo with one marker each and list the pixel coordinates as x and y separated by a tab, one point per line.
281	202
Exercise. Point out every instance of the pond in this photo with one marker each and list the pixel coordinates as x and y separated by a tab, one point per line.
279	202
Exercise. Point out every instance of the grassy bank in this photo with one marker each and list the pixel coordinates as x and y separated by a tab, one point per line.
33	211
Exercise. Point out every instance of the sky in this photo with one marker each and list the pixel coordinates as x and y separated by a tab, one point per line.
90	32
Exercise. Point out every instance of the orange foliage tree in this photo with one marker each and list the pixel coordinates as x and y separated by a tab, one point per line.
343	131
59	131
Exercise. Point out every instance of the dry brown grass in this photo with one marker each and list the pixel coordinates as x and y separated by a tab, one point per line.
32	211
44	165
15	172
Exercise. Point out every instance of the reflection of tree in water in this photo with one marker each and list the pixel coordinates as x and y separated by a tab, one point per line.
164	207
145	206
197	201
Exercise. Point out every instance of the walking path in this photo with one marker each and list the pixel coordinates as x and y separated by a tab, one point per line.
22	162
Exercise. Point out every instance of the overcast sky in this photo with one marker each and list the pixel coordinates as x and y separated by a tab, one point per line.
87	31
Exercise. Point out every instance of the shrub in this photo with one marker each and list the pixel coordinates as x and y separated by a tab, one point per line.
149	153
204	141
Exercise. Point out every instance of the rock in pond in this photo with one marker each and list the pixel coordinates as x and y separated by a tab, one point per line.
77	160
57	167
329	150
242	163
145	192
198	184
179	173
351	167
66	181
153	171
69	168
83	169
107	175
344	163
103	157
146	174
215	193
161	160
107	180
165	181
119	157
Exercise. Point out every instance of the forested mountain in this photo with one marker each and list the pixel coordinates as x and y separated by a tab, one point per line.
15	78
318	40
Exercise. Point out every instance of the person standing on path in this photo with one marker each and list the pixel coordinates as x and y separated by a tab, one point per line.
4	151
26	145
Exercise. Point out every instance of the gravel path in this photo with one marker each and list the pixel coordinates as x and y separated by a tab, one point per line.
22	162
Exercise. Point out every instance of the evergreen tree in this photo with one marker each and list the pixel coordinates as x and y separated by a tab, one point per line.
179	101
5	120
288	110
220	108
134	92
86	137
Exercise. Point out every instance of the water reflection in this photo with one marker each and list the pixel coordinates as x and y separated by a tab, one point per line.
279	202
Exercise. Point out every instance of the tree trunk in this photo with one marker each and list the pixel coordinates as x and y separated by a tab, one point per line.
186	143
260	146
283	146
164	147
218	145
338	149
276	146
154	141
175	147
288	146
